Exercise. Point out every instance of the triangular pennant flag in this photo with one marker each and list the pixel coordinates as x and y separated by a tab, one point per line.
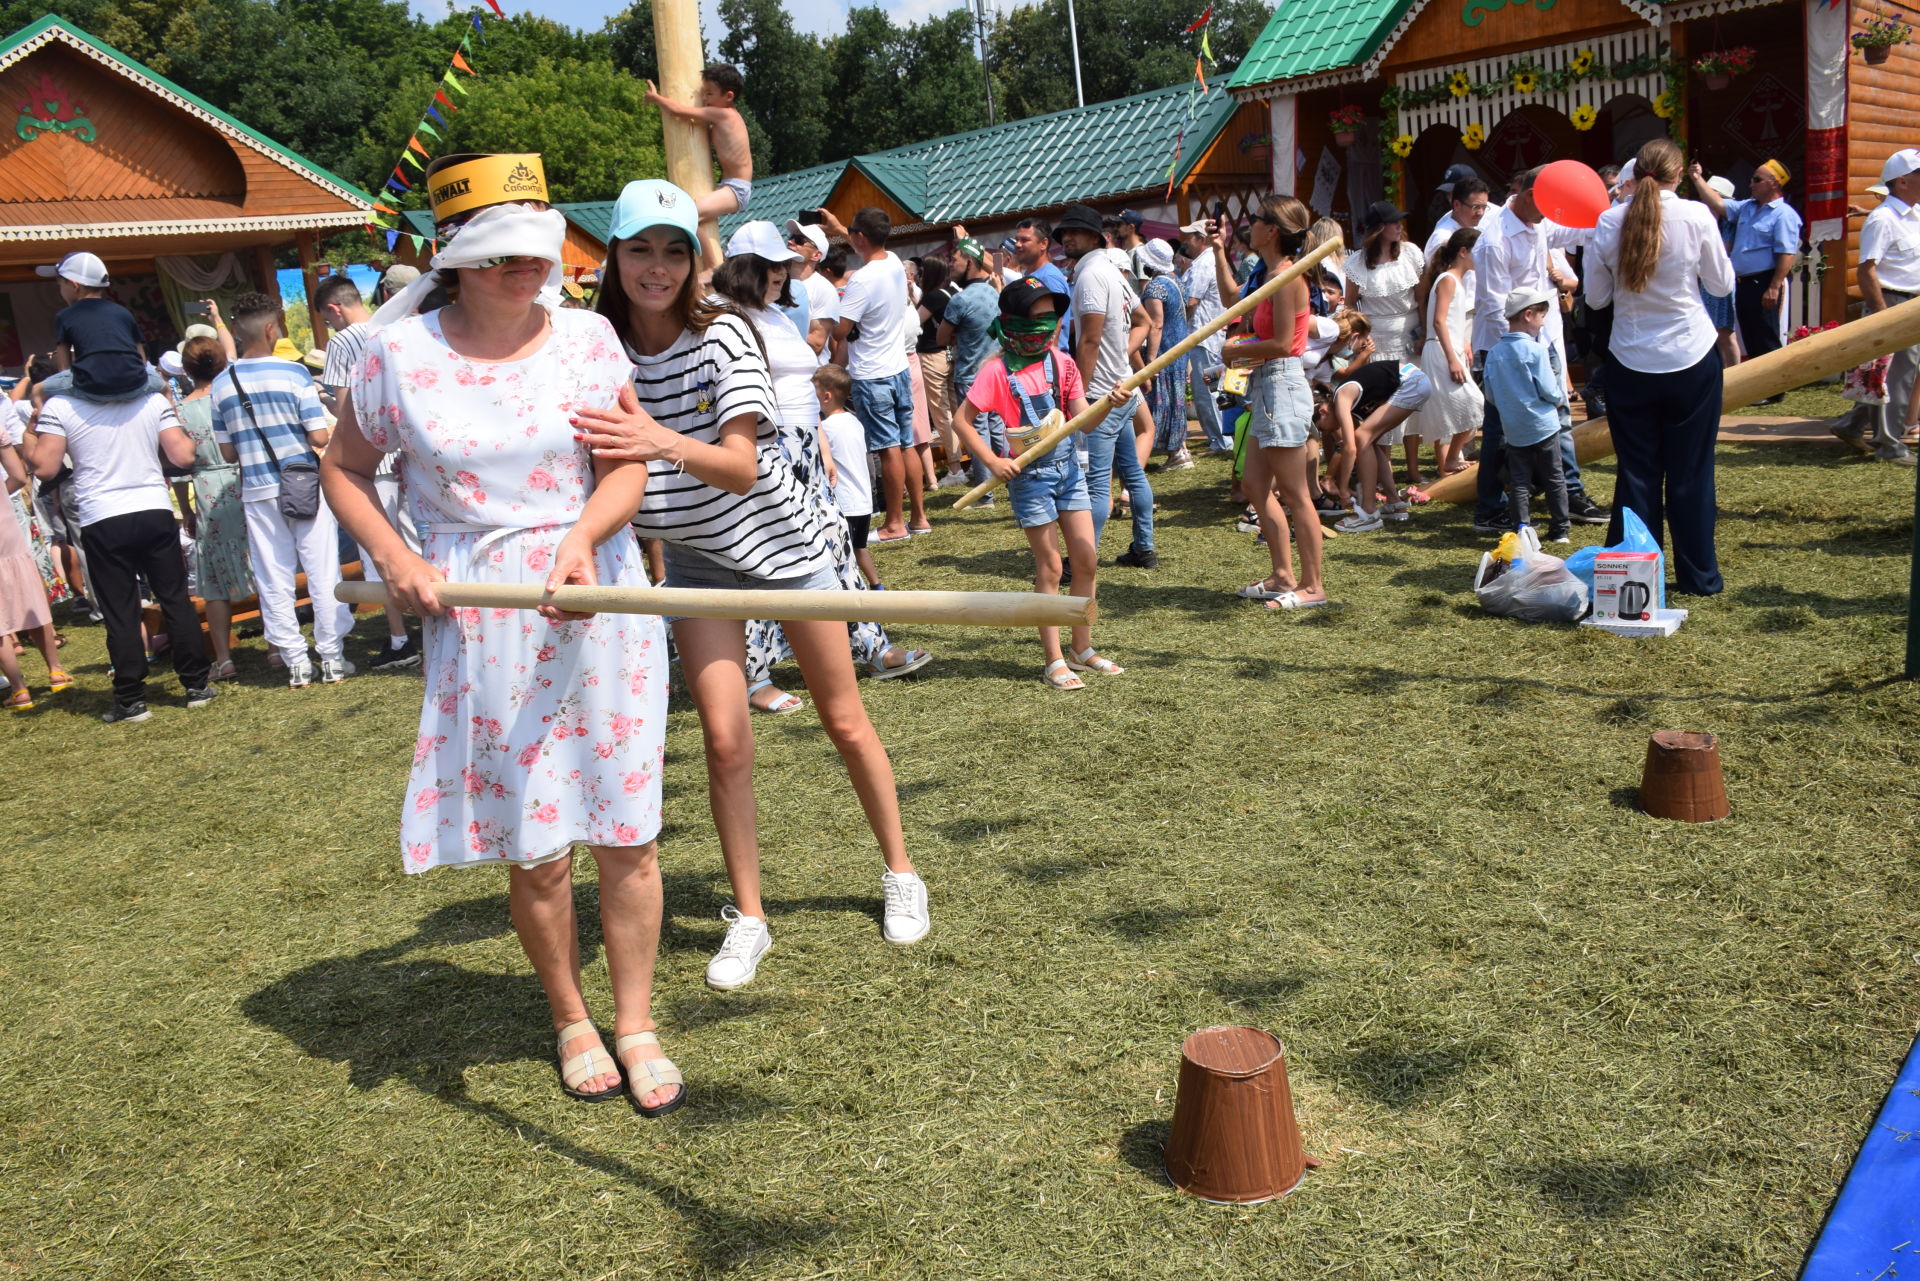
477	27
406	158
1198	22
440	96
393	238
496	8
383	209
453	82
1200	74
394	186
461	63
466	44
435	113
413	144
428	129
400	174
418	242
1206	46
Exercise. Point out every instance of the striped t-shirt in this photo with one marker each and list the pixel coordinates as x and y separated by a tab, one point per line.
286	406
774	530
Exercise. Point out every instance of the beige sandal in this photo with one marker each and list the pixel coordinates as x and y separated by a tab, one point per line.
1088	661
1059	675
659	1069
585	1065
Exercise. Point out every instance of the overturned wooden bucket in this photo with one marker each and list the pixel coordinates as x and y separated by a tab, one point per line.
1234	1136
1682	778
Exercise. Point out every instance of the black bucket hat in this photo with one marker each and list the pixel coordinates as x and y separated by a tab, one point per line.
1078	218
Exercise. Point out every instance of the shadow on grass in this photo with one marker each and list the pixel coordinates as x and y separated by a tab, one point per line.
1821	604
1405	1071
1260	991
1598	1189
1144	1147
1142	923
389	1015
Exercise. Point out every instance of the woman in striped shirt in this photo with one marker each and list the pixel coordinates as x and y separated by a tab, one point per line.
732	513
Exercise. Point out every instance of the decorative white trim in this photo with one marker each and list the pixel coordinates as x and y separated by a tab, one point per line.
200	113
1707	8
1488	112
1301	84
187	227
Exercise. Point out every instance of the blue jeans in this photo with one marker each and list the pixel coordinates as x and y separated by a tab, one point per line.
1109	449
1490	505
1203	402
884	407
994	433
1569	465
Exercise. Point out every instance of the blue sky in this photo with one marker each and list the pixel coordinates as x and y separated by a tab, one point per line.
822	17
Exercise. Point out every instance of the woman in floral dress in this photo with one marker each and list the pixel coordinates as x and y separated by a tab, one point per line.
225	575
540	730
1167	327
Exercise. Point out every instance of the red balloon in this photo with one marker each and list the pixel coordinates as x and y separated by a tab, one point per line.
1570	193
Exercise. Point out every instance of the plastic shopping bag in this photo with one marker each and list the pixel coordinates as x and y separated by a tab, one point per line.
1531	586
1633	538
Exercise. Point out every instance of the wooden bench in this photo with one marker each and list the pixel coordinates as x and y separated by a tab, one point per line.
243	610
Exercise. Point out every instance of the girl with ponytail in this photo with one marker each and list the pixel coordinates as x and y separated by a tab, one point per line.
1651	259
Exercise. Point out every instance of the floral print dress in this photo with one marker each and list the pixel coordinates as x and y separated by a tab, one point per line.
1169	396
534	735
220	545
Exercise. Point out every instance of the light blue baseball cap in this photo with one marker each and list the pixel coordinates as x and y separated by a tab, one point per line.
654	202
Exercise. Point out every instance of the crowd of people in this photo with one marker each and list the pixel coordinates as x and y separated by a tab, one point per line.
769	423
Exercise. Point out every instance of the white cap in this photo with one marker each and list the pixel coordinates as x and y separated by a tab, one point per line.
1524	297
88	270
1626	173
1195	228
815	236
760	237
1877	190
1899	165
193	332
1723	187
170	365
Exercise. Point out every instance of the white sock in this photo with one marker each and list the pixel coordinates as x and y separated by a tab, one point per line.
397	642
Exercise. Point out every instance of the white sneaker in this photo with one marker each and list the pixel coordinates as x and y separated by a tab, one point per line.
335	670
300	674
955	478
739	956
904	919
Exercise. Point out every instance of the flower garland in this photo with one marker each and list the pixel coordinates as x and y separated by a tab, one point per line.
1525	76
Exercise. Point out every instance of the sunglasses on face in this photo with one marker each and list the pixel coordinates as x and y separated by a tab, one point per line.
1269	219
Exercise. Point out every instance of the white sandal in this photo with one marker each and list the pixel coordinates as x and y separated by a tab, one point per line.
659	1069
1059	674
1088	661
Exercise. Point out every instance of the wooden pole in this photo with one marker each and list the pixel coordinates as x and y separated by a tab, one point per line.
969	609
306	243
1794	365
1139	378
676	38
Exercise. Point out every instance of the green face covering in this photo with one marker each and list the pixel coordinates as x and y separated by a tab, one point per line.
1024	340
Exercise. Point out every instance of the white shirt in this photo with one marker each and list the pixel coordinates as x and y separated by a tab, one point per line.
876	300
1890	240
823	303
115	448
1447	225
1516	258
1664	327
1099	289
1202	285
847	442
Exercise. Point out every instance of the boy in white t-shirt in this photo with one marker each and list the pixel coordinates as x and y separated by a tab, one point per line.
843	441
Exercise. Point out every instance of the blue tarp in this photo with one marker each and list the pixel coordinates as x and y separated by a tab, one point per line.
1874	1230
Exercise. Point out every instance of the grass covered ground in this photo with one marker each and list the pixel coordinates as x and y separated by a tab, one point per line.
1533	1034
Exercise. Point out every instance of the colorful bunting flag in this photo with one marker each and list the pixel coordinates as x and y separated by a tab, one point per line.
453	82
413	144
1206	47
498	11
393	238
428	129
440	96
383	209
434	112
1200	74
462	63
466	44
418	242
482	30
1199	22
407	158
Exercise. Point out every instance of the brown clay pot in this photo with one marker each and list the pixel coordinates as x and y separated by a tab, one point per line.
1682	778
1344	137
1234	1136
1875	54
1717	81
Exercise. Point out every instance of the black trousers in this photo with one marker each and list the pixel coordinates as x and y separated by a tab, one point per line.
1759	326
120	551
1530	465
1664	428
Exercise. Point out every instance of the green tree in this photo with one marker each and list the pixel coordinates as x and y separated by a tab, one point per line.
940	88
589	121
864	84
631	44
786	74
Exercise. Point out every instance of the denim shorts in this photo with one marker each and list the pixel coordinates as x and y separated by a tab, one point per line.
1046	488
884	407
1279	403
689	568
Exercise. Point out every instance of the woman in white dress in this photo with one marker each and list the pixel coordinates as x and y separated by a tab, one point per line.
541	730
1453	413
1382	277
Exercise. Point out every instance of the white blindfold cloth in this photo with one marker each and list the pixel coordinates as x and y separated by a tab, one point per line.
493	235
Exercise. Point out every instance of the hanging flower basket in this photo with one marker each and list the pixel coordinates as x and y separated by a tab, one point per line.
1346	122
1877	37
1718	67
1344	137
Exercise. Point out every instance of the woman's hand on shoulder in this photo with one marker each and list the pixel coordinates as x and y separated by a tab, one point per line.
572	567
410	584
625	432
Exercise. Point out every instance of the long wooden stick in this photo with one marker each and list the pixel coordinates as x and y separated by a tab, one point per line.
1795	365
969	609
677	45
1139	378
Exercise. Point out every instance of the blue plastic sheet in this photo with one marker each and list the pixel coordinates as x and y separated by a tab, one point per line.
1633	538
1874	1230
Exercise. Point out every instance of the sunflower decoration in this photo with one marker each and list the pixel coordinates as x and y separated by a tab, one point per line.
1458	85
1403	145
1583	117
1525	82
1581	62
1666	106
1473	135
